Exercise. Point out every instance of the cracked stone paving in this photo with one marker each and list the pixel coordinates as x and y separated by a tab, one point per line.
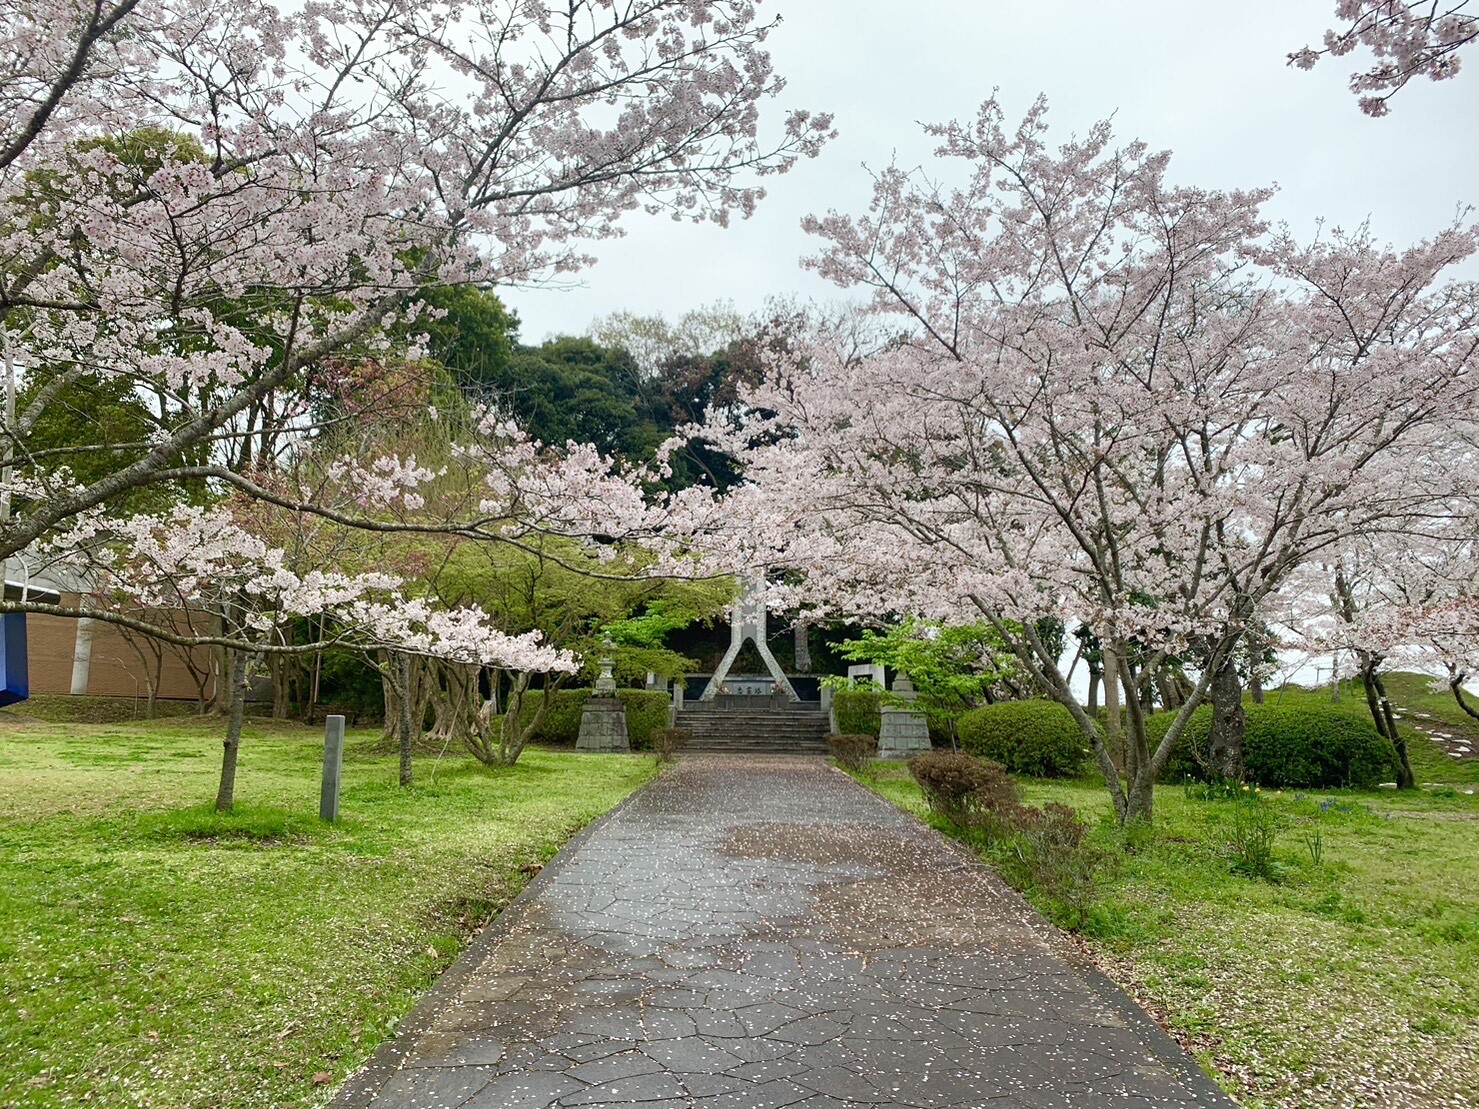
759	932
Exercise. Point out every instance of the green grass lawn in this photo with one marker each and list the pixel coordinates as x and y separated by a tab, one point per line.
1354	981
152	953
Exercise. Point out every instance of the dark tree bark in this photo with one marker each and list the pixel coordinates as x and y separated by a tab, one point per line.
1457	685
1169	689
403	679
281	667
803	648
1229	722
1093	690
1405	778
226	793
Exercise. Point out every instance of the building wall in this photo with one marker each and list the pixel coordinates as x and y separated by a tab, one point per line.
115	668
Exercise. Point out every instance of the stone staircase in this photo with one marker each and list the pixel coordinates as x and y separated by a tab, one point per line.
789	730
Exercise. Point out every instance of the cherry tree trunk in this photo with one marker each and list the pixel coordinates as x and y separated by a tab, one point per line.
1229	723
1114	716
1140	797
1405	778
226	792
402	665
1457	686
803	648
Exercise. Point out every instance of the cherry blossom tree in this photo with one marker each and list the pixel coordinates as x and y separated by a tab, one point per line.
1411	599
219	583
1123	402
211	200
1410	38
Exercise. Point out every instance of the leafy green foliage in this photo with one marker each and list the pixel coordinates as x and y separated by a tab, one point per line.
551	589
858	711
347	681
471	333
647	711
1036	738
952	666
93	425
1297	741
571	389
1251	838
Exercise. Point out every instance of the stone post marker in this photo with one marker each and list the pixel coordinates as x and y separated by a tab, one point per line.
903	730
328	797
603	721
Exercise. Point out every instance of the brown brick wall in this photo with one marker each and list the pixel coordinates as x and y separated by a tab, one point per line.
116	669
50	641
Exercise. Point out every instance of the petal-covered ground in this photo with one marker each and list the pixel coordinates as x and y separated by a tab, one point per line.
762	933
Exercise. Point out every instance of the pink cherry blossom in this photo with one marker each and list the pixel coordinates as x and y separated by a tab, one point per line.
1410	38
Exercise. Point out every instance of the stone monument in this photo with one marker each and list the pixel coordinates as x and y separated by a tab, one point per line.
603	721
903	730
747	620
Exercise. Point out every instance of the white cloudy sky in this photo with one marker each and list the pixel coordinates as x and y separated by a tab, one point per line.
1204	78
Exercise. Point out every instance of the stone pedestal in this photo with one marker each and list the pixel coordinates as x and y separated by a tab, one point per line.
603	721
603	727
903	731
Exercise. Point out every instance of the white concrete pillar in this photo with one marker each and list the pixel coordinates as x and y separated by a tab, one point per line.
82	657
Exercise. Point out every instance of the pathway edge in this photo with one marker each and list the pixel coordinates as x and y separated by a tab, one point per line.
362	1084
1166	1048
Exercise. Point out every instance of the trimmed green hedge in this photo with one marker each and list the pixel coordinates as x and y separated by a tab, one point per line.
1305	743
1036	738
858	712
647	710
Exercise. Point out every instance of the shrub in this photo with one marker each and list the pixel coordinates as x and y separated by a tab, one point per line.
857	711
667	742
1307	742
1059	862
647	711
1036	738
852	749
561	724
970	793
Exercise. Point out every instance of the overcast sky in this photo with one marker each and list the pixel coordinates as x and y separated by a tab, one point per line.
1204	78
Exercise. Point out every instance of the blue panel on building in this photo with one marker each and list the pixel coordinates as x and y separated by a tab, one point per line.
15	683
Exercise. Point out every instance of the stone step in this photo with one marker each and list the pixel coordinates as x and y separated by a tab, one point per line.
760	737
708	725
776	717
731	731
741	747
757	719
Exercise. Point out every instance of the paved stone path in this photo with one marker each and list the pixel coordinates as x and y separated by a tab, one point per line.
752	933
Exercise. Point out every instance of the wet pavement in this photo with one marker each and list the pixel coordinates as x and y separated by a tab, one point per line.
752	933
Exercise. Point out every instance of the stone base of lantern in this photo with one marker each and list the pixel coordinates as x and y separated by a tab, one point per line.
603	727
902	733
